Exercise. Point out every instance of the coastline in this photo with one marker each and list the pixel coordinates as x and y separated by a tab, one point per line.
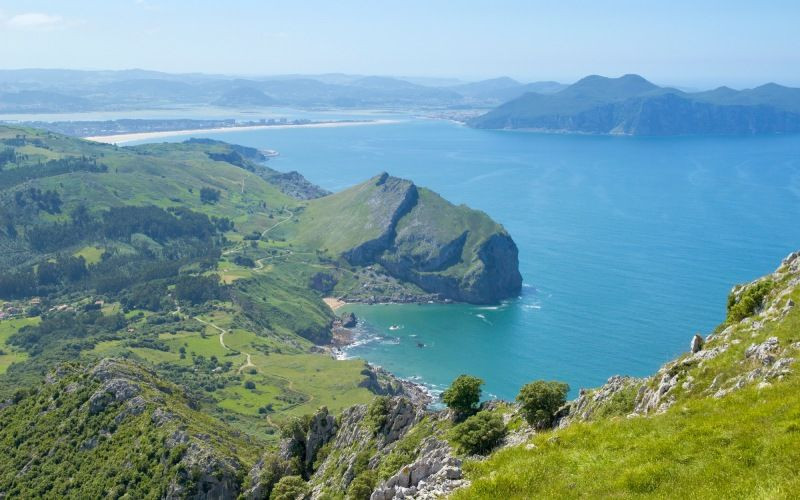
334	303
143	136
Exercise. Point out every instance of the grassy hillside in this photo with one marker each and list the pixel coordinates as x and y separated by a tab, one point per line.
720	423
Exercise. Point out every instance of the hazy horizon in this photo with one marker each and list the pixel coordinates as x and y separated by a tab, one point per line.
694	45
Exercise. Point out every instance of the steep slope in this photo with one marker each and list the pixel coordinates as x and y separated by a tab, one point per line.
721	421
458	253
633	106
115	429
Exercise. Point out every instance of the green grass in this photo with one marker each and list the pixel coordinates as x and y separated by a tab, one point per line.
90	253
742	446
8	328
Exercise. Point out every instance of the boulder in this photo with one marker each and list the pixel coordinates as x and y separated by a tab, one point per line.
697	344
349	320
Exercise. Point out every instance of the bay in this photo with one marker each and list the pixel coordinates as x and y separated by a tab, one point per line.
628	245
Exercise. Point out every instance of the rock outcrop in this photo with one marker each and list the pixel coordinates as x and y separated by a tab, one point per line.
434	474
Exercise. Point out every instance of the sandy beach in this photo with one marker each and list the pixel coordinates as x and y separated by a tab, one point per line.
144	136
334	303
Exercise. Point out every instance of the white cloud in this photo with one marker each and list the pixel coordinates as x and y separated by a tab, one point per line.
35	21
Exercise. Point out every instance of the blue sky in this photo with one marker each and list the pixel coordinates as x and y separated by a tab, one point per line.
690	43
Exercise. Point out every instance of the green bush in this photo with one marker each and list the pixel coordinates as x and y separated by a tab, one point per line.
540	400
479	433
376	413
463	395
362	486
749	301
289	488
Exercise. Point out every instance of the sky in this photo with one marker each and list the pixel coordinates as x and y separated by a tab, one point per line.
696	44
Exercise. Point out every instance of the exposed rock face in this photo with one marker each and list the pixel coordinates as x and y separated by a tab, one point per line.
205	476
384	383
295	185
349	320
356	435
585	406
393	200
696	344
434	474
321	430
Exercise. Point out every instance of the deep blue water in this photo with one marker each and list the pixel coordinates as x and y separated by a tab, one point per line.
628	246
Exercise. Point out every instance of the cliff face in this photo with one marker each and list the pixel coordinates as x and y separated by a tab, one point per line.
418	237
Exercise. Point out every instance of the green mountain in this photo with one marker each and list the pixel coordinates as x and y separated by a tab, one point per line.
416	236
631	105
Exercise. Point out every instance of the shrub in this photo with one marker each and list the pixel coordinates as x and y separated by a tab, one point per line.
209	195
749	301
250	385
361	487
289	488
376	413
479	433
540	400
463	395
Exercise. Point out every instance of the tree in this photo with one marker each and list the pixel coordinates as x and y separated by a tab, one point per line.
479	433
463	395
540	400
209	195
289	488
250	385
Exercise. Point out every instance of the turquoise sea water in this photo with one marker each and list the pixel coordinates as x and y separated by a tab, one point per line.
628	246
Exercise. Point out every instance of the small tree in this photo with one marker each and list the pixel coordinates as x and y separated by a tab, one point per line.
250	385
289	488
479	433
463	395
540	400
209	195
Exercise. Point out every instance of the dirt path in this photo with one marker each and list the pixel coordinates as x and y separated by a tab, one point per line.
248	363
263	233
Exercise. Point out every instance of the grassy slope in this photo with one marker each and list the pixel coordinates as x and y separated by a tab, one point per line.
343	220
743	445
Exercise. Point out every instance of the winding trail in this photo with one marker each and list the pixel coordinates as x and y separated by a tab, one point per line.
247	364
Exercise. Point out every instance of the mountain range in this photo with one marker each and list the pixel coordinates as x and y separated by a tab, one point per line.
24	91
631	105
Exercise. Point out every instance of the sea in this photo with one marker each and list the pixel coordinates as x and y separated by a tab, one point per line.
628	246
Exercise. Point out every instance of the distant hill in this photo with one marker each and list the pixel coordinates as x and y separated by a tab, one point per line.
39	101
632	105
243	97
71	90
504	89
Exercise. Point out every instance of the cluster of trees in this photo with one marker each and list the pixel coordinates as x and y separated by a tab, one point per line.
121	222
480	431
65	268
14	176
48	201
67	325
7	155
209	196
198	289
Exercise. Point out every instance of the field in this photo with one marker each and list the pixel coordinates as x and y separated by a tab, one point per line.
11	355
